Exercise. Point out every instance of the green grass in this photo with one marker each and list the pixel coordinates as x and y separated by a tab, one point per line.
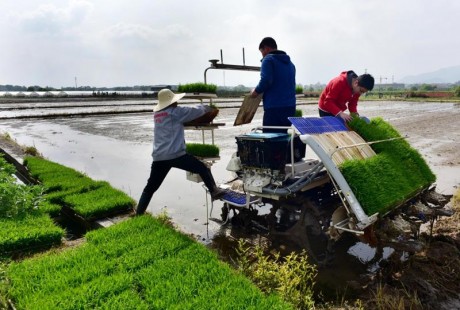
202	150
388	179
137	264
68	187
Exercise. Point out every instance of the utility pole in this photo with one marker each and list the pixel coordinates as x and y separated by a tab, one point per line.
75	83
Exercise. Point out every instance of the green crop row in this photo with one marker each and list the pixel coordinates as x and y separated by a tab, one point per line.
137	264
202	150
66	187
23	225
395	174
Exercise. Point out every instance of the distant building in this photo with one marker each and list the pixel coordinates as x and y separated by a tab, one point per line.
160	87
389	86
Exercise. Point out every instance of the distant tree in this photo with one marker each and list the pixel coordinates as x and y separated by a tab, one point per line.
457	91
428	87
299	89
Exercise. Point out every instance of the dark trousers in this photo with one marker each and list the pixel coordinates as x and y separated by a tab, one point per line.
160	169
277	117
323	113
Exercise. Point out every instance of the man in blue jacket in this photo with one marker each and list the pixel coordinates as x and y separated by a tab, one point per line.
277	84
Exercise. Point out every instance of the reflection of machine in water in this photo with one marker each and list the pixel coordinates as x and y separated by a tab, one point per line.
308	198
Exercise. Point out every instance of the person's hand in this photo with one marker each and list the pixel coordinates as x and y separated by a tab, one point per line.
354	114
253	93
345	116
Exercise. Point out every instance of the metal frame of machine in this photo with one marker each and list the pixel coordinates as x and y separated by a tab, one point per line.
265	183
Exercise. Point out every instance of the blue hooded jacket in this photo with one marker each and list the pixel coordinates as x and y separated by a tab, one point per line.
277	80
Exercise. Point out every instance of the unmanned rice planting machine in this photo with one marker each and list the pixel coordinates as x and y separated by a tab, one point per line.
291	184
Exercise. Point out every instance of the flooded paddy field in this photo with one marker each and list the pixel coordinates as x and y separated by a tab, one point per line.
112	141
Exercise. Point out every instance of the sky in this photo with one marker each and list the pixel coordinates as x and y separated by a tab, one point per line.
107	43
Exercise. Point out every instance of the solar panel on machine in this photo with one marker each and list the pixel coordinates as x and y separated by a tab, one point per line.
317	125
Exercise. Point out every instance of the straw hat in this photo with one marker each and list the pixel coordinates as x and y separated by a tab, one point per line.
165	98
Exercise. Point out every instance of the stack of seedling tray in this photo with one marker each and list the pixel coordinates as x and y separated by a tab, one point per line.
379	165
396	174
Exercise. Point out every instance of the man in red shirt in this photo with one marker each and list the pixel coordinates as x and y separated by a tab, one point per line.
343	92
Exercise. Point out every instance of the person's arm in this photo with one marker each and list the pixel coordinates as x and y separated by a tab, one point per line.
353	104
266	78
253	93
187	114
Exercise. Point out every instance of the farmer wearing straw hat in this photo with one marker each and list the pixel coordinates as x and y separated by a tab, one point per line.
169	146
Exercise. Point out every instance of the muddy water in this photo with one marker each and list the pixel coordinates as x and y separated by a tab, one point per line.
117	147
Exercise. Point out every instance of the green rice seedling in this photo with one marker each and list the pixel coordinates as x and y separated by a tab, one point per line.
395	174
197	88
67	187
29	233
101	201
298	113
127	299
55	176
50	208
136	264
202	150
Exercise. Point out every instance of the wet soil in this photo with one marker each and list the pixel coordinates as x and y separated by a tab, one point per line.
116	148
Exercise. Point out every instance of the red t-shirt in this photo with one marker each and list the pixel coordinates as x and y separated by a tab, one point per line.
338	96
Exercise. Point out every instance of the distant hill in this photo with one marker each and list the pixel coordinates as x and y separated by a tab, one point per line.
444	75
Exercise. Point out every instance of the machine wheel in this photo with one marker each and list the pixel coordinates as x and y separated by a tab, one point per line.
306	230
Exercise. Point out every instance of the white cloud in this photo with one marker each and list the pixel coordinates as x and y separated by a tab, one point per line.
49	20
169	41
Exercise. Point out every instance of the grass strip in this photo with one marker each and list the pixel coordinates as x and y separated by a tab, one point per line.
388	179
137	264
